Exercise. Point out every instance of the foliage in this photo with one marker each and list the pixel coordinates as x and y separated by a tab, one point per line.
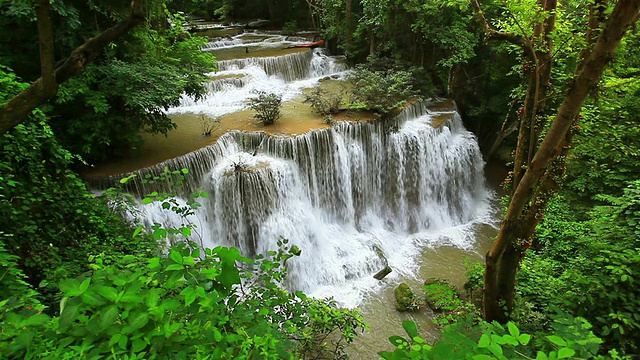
126	90
191	304
385	90
485	341
324	102
50	220
266	106
441	295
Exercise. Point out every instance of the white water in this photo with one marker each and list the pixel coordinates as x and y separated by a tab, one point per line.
242	79
338	194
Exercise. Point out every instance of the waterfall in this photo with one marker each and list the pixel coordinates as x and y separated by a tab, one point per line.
243	78
289	67
343	195
339	194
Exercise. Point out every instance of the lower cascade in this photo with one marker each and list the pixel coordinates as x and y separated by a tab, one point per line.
354	197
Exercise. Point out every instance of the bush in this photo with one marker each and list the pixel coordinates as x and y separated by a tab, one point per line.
189	305
209	124
382	90
266	106
324	102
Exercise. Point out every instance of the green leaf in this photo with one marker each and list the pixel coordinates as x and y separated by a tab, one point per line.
189	295
557	340
411	328
108	317
108	293
513	329
483	357
159	234
484	341
85	284
70	286
176	256
566	352
137	231
36	320
508	339
146	201
68	316
174	267
152	298
90	298
397	340
138	345
154	263
140	320
524	339
541	356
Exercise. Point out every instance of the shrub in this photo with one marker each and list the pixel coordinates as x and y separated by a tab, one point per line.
209	124
267	107
324	102
382	90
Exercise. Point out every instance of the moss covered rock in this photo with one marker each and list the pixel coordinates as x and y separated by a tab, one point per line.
405	299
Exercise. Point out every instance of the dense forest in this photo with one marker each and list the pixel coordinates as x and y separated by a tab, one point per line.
549	88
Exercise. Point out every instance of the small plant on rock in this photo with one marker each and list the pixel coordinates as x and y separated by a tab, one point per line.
209	124
267	107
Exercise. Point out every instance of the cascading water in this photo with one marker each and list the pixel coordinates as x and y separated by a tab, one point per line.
240	79
344	195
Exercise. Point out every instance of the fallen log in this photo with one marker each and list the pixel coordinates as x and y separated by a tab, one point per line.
312	45
382	273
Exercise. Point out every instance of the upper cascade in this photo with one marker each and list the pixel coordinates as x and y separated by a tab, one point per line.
240	79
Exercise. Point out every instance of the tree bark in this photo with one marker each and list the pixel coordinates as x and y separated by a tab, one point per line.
45	42
348	20
521	217
20	107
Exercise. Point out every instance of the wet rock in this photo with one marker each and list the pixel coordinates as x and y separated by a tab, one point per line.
382	273
405	299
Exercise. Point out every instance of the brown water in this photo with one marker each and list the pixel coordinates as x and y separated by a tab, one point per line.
297	118
379	310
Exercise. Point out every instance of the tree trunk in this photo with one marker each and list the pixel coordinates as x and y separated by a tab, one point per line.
20	107
518	224
348	21
45	42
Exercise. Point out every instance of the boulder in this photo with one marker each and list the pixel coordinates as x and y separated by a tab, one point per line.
405	299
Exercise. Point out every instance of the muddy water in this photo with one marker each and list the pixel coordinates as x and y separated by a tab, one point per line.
297	118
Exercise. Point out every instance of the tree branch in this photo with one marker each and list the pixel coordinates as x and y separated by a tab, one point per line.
493	34
18	109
